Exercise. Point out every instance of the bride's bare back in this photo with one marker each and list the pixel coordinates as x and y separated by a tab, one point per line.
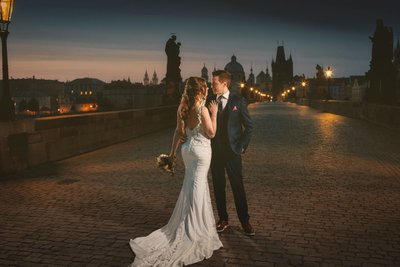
192	119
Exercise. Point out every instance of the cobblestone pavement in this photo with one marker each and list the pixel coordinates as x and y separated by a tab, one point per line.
323	190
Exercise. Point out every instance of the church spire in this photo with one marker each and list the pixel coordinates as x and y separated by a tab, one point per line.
251	79
204	72
154	80
146	79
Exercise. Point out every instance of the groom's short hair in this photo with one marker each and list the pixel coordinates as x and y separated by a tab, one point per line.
223	76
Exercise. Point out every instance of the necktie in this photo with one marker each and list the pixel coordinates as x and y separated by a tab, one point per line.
219	100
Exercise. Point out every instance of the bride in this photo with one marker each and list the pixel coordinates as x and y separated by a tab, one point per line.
190	235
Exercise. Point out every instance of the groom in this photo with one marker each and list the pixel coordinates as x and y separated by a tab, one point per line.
228	144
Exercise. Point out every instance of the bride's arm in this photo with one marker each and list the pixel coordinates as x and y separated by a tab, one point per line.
209	119
178	135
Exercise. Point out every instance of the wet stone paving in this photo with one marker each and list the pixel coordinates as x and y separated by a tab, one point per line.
323	190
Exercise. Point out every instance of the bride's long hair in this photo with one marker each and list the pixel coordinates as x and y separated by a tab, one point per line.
194	93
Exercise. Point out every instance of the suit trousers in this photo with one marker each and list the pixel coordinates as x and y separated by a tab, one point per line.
232	163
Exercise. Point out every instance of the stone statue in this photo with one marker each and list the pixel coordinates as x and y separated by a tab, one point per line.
382	73
173	77
320	72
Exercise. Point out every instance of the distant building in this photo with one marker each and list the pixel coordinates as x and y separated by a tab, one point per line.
46	93
261	77
204	73
154	79
264	81
126	95
251	81
84	90
237	74
340	88
348	88
282	72
146	80
205	76
40	100
358	85
78	108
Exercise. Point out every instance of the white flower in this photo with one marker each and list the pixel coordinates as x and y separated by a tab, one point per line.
166	163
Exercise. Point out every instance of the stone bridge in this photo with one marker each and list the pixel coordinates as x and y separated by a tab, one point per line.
323	190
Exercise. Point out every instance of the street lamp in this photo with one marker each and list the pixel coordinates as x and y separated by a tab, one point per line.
328	74
244	90
7	107
303	85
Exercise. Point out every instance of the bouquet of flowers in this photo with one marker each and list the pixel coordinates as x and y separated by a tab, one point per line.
166	163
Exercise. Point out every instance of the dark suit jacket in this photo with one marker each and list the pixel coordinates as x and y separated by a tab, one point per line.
240	125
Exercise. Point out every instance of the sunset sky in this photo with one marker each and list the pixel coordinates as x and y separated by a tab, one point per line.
117	39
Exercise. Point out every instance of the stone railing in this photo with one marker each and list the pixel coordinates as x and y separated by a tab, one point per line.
385	115
28	143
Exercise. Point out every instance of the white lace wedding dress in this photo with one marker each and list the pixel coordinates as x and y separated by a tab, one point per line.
190	235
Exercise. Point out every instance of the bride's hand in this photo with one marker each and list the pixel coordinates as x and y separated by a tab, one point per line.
213	107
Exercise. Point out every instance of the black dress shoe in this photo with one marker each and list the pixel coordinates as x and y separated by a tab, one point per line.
222	225
248	229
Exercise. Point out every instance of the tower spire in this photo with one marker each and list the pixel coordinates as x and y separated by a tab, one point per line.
204	72
146	79
154	80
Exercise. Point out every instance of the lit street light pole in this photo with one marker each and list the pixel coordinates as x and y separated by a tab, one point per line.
303	93
293	92
7	108
244	91
328	73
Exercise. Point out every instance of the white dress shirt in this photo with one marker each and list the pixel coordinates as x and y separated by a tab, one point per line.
224	99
